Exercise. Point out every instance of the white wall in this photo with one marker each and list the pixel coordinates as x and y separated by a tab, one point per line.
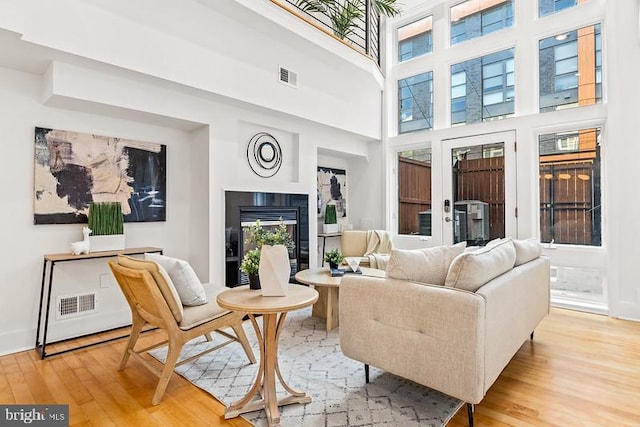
24	244
622	54
206	133
207	48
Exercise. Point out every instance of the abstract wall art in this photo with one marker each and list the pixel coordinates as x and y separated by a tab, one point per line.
332	189
73	169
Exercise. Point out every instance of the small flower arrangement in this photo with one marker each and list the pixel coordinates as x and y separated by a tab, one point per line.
251	262
258	236
333	257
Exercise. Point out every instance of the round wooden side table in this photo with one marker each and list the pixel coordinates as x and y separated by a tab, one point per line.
262	394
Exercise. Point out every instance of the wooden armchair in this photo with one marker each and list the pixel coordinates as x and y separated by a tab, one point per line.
154	302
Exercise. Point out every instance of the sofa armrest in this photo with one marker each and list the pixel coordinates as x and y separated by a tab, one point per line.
516	302
429	334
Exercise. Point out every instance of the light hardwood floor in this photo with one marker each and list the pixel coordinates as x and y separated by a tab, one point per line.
580	370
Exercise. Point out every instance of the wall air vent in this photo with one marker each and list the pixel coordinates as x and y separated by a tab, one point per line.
288	77
76	305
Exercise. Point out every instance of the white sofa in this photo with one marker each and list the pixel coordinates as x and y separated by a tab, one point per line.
444	318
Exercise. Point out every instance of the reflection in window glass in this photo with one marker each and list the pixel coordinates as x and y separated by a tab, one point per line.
570	197
483	88
571	69
475	18
414	192
415	39
415	103
547	7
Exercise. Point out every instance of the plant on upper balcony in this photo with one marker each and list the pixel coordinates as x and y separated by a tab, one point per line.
345	14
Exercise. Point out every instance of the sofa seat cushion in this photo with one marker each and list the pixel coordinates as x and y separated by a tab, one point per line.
199	314
427	265
471	270
184	278
527	250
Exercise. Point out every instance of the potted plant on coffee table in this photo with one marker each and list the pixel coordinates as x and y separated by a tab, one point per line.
334	258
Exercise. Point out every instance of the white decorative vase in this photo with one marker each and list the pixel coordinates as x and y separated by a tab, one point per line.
112	242
330	228
274	270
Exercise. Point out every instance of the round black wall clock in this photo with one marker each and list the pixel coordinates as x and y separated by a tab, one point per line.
264	155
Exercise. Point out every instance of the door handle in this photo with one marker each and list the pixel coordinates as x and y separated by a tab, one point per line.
447	218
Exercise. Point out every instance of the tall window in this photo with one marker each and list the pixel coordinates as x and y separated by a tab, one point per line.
475	18
415	103
483	88
414	192
547	7
571	69
570	189
415	39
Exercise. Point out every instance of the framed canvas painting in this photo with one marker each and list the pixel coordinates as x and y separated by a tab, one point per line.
73	169
332	188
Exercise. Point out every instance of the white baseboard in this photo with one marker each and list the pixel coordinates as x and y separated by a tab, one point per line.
25	339
17	341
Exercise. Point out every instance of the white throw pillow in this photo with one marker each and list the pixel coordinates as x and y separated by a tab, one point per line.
184	279
471	270
428	265
527	250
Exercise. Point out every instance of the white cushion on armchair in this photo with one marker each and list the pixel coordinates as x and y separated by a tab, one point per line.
184	278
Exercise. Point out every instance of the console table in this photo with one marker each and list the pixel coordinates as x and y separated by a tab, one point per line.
45	306
324	236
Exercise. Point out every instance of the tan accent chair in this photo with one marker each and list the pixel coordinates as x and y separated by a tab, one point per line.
153	301
357	244
353	243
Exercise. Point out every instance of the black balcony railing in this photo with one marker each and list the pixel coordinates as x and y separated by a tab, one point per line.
362	33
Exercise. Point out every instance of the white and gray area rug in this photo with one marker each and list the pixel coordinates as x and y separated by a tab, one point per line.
311	360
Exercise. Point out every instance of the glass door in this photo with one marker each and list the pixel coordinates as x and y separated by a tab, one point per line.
570	185
479	188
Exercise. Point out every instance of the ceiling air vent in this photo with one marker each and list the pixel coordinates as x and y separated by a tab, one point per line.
288	77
